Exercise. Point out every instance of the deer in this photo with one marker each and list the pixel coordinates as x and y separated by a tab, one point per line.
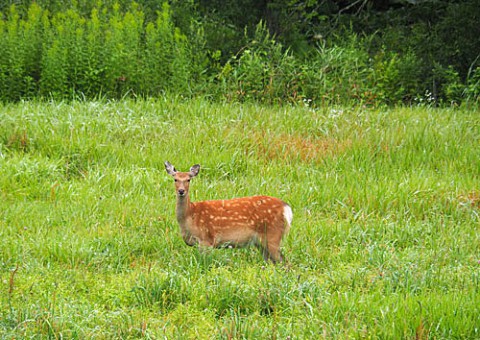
259	220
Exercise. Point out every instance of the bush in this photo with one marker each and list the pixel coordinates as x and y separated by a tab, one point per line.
167	59
472	90
109	53
262	71
332	73
17	68
396	77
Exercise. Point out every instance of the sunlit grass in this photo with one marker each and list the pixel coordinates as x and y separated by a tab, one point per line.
384	242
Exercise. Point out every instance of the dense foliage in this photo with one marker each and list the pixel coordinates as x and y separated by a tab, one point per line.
270	51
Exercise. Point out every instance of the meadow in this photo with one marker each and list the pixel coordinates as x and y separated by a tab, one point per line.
385	240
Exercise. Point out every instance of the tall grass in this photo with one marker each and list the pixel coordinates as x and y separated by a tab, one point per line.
384	243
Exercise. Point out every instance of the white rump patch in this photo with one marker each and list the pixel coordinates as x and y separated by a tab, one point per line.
288	214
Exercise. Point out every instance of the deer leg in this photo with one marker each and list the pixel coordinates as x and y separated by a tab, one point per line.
275	254
265	254
273	247
270	251
205	244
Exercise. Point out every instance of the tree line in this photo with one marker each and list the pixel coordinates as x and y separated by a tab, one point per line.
279	51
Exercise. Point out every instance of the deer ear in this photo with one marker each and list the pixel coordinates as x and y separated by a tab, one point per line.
194	170
170	168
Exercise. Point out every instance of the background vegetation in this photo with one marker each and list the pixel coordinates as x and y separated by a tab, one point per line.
369	52
384	243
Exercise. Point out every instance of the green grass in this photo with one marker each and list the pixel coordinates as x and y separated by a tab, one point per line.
385	241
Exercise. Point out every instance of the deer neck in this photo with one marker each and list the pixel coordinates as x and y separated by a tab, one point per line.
183	209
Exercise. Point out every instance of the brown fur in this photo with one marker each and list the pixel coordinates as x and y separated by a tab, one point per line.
261	220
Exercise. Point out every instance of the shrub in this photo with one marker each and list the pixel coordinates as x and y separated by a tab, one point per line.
472	90
12	58
396	76
260	71
167	58
110	52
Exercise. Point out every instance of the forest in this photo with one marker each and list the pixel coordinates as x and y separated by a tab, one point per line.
280	51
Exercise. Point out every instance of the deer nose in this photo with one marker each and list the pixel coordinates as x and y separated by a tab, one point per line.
181	192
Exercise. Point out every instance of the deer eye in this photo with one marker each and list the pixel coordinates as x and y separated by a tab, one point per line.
176	180
188	180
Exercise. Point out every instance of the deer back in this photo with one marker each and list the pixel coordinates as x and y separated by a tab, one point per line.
238	220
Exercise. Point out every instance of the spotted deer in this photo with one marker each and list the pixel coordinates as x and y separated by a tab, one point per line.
259	220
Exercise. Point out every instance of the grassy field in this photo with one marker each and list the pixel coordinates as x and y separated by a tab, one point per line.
385	241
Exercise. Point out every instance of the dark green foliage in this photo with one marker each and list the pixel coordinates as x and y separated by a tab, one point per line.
420	51
262	71
277	51
344	72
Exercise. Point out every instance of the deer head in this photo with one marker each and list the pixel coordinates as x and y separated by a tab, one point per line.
182	179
